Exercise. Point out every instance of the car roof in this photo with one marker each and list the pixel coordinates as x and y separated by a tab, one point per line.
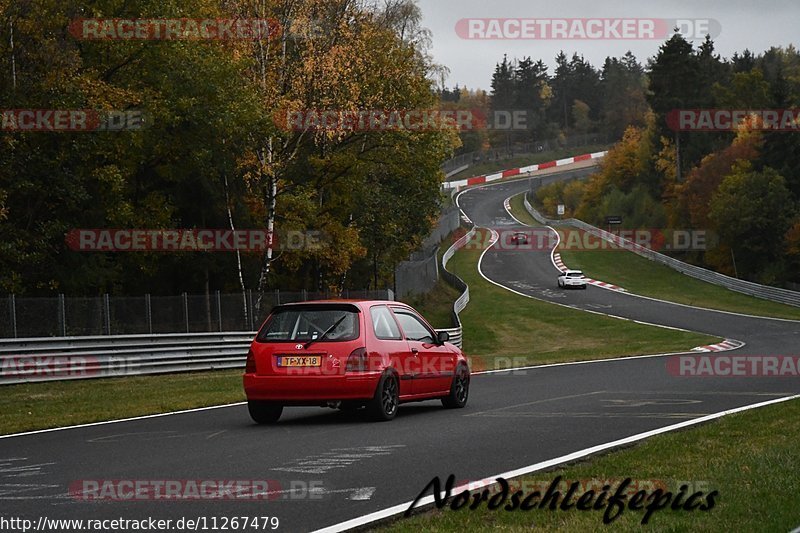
363	304
573	272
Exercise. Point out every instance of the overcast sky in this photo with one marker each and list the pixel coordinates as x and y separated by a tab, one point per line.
744	24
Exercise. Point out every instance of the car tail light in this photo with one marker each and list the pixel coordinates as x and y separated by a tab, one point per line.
250	365
357	360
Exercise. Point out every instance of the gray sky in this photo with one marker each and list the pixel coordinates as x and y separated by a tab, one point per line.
744	24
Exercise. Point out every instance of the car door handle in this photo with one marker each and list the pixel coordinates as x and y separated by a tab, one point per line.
414	351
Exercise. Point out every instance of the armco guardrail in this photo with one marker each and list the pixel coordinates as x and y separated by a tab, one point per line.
457	333
70	358
765	292
65	358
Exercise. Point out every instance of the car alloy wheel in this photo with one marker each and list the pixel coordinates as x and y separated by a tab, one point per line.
462	388
459	390
386	399
389	396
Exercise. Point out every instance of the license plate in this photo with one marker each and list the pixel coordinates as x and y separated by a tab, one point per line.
299	360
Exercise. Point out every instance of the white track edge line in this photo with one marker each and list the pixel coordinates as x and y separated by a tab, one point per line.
129	419
591	361
220	406
507	206
615	288
480	271
491	480
668	301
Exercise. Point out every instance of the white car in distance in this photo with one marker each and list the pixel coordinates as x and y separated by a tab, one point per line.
571	279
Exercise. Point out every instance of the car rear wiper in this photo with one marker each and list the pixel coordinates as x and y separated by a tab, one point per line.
333	327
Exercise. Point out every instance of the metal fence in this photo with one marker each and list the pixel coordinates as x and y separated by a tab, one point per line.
464	161
765	292
69	358
417	277
420	273
62	316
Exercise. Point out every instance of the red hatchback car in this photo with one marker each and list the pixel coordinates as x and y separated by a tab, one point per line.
351	354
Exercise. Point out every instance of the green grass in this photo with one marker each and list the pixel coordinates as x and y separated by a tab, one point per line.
500	324
32	406
517	205
750	458
641	276
490	167
647	278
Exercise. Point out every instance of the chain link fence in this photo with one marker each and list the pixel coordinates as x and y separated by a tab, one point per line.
60	316
420	273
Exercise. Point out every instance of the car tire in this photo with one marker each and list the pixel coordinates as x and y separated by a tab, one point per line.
386	400
264	412
459	390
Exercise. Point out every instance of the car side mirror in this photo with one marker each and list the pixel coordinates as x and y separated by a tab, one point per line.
442	337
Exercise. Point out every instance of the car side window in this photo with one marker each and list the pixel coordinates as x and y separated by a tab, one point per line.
383	323
413	327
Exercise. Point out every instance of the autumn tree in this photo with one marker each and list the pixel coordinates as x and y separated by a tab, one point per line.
751	215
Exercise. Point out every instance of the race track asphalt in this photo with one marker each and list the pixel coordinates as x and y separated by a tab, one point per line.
326	466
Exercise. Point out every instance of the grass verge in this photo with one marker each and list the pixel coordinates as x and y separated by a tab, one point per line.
498	323
517	206
750	458
33	406
647	278
641	276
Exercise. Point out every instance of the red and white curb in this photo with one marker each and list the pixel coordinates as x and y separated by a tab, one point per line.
559	263
724	346
604	285
477	180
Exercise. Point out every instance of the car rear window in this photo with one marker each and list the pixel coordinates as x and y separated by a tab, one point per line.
309	323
